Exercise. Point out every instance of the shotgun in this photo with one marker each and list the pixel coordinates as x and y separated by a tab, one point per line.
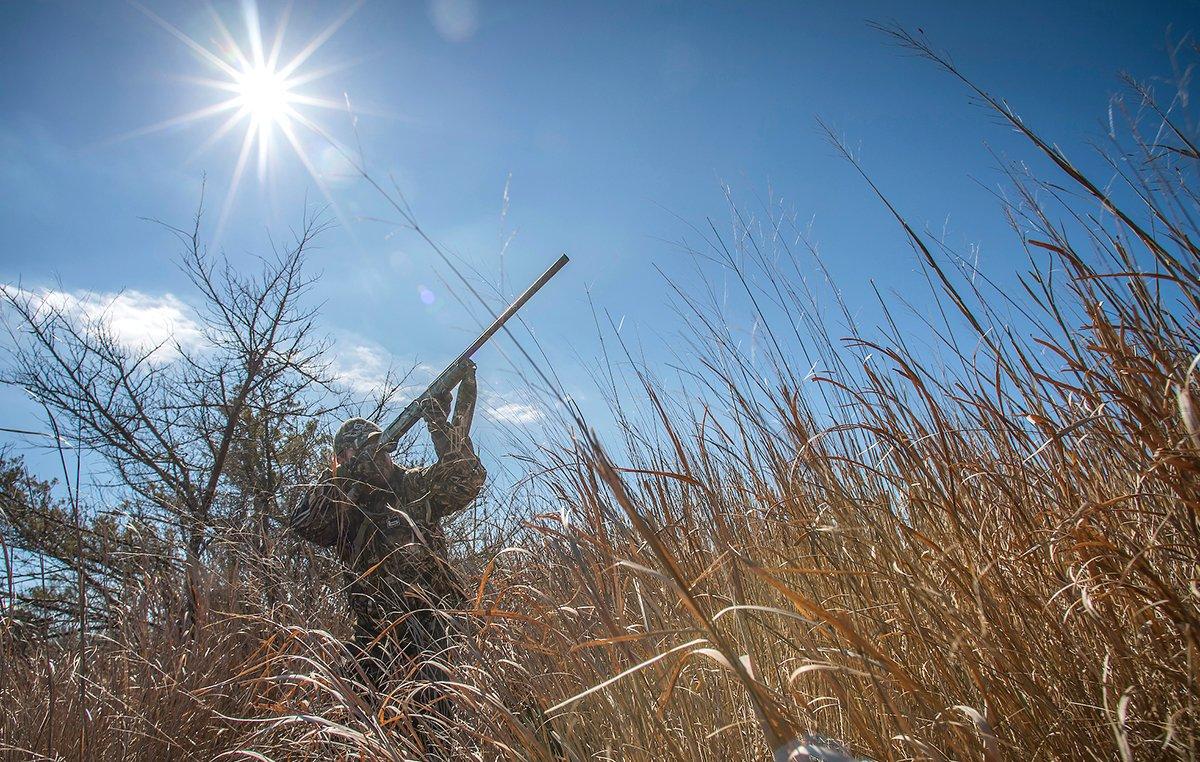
453	373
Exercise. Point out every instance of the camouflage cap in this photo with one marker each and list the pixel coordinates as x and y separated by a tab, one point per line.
356	433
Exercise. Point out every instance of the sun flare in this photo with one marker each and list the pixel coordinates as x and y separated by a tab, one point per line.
264	95
260	93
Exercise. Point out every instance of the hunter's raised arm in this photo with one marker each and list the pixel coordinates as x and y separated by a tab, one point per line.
455	480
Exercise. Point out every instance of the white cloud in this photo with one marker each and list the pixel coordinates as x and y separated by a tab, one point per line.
456	20
139	321
362	368
515	413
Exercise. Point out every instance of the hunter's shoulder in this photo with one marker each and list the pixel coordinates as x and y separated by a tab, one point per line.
313	490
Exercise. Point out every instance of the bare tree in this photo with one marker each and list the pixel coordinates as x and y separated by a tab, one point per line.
200	436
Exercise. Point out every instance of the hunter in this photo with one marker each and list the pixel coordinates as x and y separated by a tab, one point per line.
385	523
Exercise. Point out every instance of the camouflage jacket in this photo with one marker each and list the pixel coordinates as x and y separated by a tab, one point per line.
390	538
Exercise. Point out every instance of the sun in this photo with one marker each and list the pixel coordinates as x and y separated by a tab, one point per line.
259	93
264	95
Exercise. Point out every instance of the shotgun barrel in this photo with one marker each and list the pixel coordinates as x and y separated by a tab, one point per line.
450	377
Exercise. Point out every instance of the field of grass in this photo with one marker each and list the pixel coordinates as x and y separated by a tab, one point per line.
986	550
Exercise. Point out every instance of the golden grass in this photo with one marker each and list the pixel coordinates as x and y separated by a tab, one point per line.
987	551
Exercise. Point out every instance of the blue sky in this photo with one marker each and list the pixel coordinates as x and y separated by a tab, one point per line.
611	125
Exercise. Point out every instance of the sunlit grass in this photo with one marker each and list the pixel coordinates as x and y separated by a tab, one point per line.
992	555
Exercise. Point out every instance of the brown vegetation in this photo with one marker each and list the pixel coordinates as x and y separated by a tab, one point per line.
988	551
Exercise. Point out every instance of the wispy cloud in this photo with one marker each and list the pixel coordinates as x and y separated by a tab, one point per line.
164	322
456	20
363	367
516	413
137	320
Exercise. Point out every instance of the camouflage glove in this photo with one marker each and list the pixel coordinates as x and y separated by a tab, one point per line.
436	411
464	405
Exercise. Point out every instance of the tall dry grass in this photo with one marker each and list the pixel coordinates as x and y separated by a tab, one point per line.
986	550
